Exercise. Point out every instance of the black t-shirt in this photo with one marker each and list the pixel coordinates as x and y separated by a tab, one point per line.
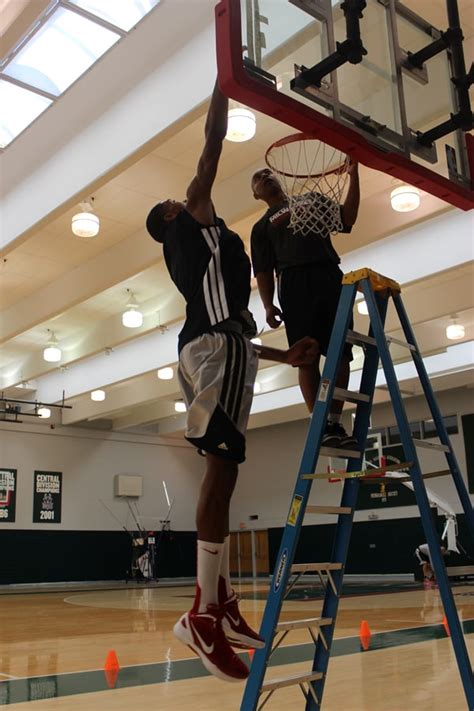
210	268
276	247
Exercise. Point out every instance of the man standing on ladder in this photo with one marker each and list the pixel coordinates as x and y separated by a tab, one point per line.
217	369
309	284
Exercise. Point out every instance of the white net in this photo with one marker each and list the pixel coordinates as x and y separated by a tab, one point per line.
313	175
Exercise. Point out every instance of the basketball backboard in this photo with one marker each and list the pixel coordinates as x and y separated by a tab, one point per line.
397	110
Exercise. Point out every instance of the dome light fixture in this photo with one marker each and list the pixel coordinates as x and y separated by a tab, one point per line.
98	395
241	125
132	317
180	406
362	307
455	331
52	353
44	412
85	224
165	373
405	198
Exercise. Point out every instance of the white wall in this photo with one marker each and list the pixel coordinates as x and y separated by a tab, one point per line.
267	478
89	461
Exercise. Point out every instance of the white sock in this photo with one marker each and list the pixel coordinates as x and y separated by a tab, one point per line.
225	567
334	417
208	567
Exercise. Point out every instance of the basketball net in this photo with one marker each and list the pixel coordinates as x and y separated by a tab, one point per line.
313	175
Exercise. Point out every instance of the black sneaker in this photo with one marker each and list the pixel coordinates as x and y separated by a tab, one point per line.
336	436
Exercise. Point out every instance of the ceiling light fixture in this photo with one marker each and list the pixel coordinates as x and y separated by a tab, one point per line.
132	317
44	412
98	395
165	373
455	331
241	125
52	353
405	198
362	307
179	406
85	224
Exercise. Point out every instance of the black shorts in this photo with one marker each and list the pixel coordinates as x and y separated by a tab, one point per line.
309	296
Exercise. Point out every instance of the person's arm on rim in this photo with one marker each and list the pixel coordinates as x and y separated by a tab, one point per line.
351	204
199	191
266	289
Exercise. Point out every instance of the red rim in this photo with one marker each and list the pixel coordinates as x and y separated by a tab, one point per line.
295	138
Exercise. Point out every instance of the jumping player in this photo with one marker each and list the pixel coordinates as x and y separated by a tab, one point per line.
217	369
309	284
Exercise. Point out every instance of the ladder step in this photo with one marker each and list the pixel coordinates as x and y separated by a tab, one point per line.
314	567
291	681
328	510
350	395
368	474
359	338
401	479
339	453
404	344
431	445
300	624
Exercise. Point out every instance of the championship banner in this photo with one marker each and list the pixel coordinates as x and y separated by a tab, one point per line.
7	495
47	492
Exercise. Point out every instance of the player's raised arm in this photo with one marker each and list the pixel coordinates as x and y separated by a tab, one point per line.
350	208
199	191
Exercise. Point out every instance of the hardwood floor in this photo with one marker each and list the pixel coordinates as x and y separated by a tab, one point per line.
55	644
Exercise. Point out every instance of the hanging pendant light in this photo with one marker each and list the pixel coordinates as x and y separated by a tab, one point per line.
52	353
132	317
85	224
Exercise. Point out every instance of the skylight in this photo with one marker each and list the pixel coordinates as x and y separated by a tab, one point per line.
124	14
19	108
64	44
63	49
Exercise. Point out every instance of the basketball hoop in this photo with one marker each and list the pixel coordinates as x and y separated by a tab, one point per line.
313	176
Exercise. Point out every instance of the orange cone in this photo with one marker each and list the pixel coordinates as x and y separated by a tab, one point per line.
251	652
111	676
364	635
111	663
446	626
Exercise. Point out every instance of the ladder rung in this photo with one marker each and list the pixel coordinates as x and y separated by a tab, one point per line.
339	453
367	474
291	680
401	479
299	624
328	510
360	338
349	396
404	344
314	567
431	445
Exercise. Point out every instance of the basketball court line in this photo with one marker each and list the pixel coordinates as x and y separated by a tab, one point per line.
75	683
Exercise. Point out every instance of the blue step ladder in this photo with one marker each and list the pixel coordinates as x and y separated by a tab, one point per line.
377	290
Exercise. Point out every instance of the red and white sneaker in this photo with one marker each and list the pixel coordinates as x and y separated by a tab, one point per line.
237	631
203	633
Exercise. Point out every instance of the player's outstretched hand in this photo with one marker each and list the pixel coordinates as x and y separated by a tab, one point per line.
303	352
274	316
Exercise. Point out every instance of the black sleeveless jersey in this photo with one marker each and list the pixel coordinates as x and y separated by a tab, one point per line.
210	268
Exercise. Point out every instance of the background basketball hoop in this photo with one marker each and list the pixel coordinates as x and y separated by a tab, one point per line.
313	175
